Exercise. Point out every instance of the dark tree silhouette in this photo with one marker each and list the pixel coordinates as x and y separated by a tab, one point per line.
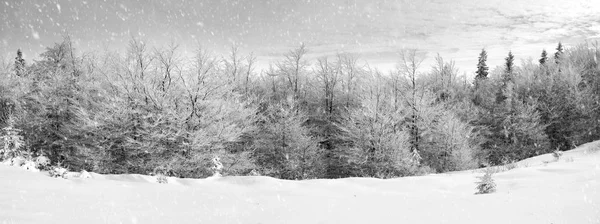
559	51
543	57
509	63
19	63
482	68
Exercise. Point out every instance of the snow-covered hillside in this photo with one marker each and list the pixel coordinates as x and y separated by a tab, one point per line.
537	191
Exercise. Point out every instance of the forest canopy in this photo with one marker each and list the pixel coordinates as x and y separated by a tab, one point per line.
151	109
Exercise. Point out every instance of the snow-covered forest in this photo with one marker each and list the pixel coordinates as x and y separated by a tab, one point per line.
150	110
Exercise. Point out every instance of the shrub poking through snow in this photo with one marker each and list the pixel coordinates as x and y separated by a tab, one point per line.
509	164
42	163
57	171
11	142
161	173
29	165
84	175
486	184
161	179
254	172
557	154
217	167
16	161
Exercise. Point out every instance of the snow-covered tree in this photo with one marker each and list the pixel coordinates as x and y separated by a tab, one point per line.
19	63
482	68
379	142
543	57
284	147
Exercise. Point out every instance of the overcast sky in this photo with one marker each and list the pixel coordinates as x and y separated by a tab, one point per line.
374	29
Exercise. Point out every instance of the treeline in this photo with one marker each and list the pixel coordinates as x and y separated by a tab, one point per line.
152	110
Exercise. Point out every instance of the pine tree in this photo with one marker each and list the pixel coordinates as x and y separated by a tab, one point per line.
516	133
506	90
19	63
509	63
482	68
559	51
543	57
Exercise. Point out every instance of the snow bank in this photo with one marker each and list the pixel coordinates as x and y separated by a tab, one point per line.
539	190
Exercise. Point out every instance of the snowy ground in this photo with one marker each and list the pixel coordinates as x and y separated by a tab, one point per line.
537	191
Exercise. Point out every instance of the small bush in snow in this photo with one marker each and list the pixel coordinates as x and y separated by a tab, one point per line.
507	164
58	171
29	165
486	184
161	179
161	173
42	163
217	167
557	154
84	174
23	162
254	173
511	166
11	142
17	161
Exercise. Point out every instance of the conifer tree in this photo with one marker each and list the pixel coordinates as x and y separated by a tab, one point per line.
559	51
506	91
509	63
482	68
19	63
543	57
516	127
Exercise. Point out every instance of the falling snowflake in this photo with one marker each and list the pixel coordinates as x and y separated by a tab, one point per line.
35	34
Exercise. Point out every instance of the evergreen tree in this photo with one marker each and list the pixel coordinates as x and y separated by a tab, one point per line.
559	51
506	90
516	133
482	68
543	57
19	63
509	63
482	73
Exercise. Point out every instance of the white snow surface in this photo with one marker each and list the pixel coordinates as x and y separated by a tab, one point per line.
539	190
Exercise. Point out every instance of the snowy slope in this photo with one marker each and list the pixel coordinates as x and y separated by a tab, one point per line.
536	192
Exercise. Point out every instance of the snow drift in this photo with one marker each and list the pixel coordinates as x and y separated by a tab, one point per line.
538	190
